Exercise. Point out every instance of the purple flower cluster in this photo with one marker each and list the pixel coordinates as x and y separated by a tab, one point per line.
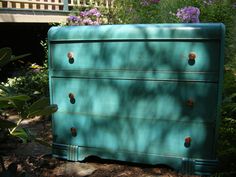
188	14
87	17
91	12
149	2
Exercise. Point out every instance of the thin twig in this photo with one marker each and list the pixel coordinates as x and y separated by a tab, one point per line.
17	125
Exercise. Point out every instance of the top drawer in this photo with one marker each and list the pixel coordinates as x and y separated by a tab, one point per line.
141	55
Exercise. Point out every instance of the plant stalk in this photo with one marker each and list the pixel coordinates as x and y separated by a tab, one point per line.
17	125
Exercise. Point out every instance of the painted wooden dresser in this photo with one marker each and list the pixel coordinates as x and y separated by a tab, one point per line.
139	93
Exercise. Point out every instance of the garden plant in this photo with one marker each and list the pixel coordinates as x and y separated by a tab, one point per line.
10	99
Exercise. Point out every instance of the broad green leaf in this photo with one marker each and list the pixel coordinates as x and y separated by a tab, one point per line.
20	97
23	134
5	104
17	97
18	101
47	110
39	104
13	58
6	124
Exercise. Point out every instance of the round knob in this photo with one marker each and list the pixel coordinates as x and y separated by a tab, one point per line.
70	57
187	141
190	103
192	56
73	131
72	98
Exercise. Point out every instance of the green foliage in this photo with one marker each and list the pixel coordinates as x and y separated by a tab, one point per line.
44	44
227	145
223	11
32	81
25	110
129	12
11	99
7	57
227	139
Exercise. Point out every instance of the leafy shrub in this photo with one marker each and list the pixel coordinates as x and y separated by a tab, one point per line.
10	99
32	81
227	145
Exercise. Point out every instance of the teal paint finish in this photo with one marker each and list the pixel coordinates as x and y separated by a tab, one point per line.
137	99
130	92
136	135
137	32
161	56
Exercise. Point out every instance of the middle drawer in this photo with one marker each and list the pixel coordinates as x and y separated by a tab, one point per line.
139	99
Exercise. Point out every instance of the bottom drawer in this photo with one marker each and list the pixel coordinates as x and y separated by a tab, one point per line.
146	136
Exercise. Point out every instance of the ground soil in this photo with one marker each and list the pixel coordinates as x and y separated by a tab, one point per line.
33	159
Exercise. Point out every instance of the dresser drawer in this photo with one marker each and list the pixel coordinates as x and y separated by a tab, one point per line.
138	99
149	136
136	55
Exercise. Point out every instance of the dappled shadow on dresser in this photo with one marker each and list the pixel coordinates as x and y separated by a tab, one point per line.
138	100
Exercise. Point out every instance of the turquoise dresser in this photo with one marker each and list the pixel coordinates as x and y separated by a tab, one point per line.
139	93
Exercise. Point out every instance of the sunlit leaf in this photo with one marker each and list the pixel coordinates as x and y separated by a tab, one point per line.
20	97
13	58
17	97
45	111
23	134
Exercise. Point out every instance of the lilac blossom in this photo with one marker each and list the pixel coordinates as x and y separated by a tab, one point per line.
87	17
188	14
72	18
94	12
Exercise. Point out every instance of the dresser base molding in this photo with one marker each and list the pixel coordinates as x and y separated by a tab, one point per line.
183	165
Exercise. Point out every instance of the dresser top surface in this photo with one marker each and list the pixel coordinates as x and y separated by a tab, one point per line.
137	32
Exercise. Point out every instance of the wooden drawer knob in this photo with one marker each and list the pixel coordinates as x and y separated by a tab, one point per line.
190	103
192	56
187	141
70	57
72	98
73	131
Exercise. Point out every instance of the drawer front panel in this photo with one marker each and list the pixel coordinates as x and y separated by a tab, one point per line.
136	55
139	99
147	136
